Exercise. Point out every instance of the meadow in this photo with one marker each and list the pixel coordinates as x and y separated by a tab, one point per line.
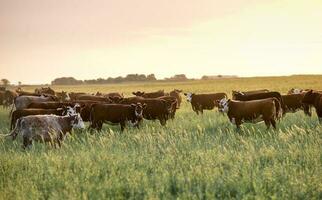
192	157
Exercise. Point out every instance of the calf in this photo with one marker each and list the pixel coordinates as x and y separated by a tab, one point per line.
45	128
115	113
293	103
258	96
176	93
315	99
156	94
200	102
266	110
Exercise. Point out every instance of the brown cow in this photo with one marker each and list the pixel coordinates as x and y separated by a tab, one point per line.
257	96
94	98
156	109
45	128
176	93
315	99
45	90
2	98
74	95
62	96
233	93
22	102
173	101
200	102
266	110
115	113
9	97
293	103
156	94
50	105
26	112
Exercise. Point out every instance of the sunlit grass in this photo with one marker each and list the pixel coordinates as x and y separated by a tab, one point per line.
192	157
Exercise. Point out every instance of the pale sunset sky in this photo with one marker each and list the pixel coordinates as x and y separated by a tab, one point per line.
44	39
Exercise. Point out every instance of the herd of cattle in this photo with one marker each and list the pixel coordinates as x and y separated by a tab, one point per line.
46	115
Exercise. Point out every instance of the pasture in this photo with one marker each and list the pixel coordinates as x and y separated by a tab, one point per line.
192	157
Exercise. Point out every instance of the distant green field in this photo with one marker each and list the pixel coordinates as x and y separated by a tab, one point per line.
192	157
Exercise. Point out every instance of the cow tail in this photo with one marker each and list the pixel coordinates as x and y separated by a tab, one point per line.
278	108
15	131
13	107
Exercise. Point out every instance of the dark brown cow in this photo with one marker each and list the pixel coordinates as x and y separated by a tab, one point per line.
22	102
293	103
156	94
315	99
172	101
233	93
9	97
2	98
176	93
74	95
111	94
45	90
86	109
200	102
257	96
254	111
50	105
156	109
94	98
62	96
45	128
115	113
26	112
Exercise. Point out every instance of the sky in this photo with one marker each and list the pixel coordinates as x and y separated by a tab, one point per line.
41	40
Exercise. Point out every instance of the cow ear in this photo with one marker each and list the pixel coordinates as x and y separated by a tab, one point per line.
185	94
59	109
144	105
133	105
179	91
134	93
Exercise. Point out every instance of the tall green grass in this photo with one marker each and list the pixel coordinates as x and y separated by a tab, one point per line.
192	157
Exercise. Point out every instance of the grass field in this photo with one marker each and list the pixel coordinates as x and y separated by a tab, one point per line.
192	157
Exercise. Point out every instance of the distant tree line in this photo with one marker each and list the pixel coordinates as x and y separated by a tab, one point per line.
128	78
119	79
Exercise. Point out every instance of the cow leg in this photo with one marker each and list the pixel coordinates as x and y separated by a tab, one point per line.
58	142
26	142
163	121
273	122
122	126
267	123
238	123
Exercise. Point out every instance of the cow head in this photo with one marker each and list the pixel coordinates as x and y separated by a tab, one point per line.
309	97
138	93
223	105
77	122
189	96
177	91
295	91
138	109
